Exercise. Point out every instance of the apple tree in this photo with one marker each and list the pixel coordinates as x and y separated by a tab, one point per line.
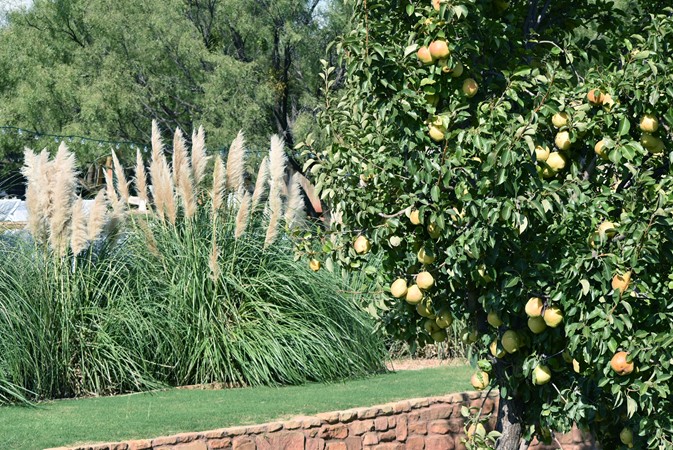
509	162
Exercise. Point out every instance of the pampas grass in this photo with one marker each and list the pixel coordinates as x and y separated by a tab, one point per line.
199	158
236	164
260	183
33	169
79	236
97	216
141	179
122	184
294	213
219	183
277	162
63	183
179	156
242	216
162	183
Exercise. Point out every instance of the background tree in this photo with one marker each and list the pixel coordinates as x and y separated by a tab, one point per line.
513	165
105	69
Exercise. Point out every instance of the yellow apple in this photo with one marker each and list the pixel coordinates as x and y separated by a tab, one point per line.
314	265
510	341
621	282
438	336
362	245
437	132
432	99
651	143
480	380
426	256
562	140
414	295
493	319
457	70
600	150
607	229
439	49
444	319
541	375
626	436
560	119
434	231
424	55
534	307
424	280
553	317
556	161
470	87
430	326
496	350
399	288
477	429
415	217
541	153
576	366
537	324
649	123
595	97
424	309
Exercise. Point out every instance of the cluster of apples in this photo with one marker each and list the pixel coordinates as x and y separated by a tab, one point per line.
437	52
649	125
415	294
552	162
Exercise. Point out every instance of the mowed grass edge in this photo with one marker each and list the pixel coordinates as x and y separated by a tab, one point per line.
161	413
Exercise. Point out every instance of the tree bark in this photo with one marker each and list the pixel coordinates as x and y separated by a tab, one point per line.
509	423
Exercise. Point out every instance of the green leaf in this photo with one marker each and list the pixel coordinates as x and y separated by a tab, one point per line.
624	127
410	9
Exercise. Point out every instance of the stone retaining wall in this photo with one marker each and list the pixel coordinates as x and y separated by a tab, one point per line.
419	424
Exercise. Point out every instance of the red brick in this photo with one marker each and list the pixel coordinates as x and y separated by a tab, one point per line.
140	444
401	407
418	427
348	416
381	423
216	434
243	443
415	443
401	428
315	444
440	426
392	421
456	425
360	427
353	443
389	446
439	443
329	417
287	441
388	436
164	440
196	445
336	446
370	439
369	413
337	431
216	444
437	412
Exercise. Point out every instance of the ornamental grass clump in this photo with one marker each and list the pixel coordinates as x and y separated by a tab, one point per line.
196	284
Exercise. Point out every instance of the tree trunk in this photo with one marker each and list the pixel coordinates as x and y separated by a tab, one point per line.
509	423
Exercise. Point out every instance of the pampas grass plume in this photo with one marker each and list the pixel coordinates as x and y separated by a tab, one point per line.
219	181
78	235
64	182
242	216
97	216
122	184
236	164
199	157
141	179
260	183
179	156
294	213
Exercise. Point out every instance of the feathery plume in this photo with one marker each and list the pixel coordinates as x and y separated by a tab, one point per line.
64	182
78	235
294	213
236	164
179	156
162	184
217	194
199	157
33	166
141	178
186	190
277	159
97	216
122	184
260	183
213	261
242	215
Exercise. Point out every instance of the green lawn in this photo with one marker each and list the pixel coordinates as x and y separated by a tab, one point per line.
173	411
